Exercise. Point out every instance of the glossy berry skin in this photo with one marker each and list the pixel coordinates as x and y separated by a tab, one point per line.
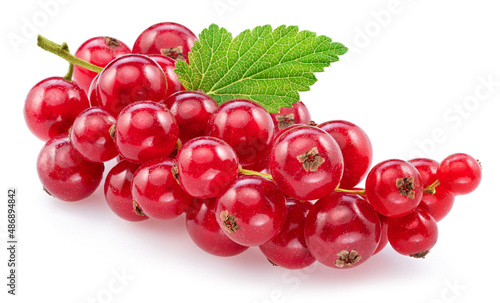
92	93
296	114
389	197
156	192
288	248
128	79
340	223
64	173
356	150
440	203
306	163
246	126
90	135
161	36
427	168
205	166
384	223
459	174
191	110
202	227
168	65
145	131
117	191
251	210
414	234
98	51
52	105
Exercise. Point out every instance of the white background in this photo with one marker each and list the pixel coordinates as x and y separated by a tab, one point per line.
414	70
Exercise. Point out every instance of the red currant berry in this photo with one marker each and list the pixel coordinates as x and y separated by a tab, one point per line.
427	168
306	163
342	230
118	193
459	174
156	192
64	173
128	79
297	114
439	204
202	226
414	234
384	223
93	96
394	188
167	38
205	165
288	249
251	210
191	110
98	51
246	126
168	65
145	131
52	105
90	135
356	150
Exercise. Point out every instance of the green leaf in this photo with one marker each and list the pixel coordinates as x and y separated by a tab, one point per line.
264	65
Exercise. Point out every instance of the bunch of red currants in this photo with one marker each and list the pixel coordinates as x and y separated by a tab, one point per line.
243	176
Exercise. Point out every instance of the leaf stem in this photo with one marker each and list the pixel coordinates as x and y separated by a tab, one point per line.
63	52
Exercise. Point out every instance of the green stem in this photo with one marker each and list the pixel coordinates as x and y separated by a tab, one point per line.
431	189
69	76
63	52
352	191
253	173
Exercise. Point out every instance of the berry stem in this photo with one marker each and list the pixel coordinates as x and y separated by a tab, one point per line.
431	189
63	52
253	173
69	75
352	191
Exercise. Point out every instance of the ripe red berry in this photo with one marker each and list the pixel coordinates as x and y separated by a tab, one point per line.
306	163
342	230
296	114
438	204
356	150
288	248
90	135
145	131
384	223
64	173
191	110
414	234
460	174
251	210
156	192
98	51
118	193
394	187
52	105
246	126
202	226
128	79
167	38
168	65
206	165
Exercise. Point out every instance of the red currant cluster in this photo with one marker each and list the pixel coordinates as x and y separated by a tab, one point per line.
243	176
